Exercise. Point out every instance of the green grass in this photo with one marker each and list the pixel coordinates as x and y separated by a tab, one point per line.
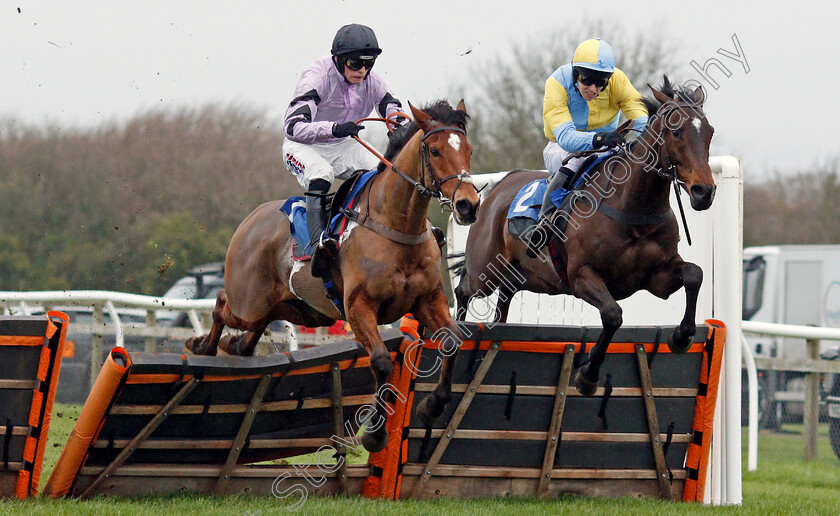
783	484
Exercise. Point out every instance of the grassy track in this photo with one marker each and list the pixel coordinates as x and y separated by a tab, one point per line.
783	484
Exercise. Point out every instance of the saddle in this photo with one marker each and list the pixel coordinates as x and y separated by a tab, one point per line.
524	211
339	202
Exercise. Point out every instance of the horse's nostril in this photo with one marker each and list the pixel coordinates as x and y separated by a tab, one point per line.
703	191
464	207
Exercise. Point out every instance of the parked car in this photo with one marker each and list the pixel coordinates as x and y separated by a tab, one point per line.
201	282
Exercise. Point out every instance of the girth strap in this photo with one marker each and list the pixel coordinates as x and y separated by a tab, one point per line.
634	219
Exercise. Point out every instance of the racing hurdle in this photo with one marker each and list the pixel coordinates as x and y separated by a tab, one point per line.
167	423
31	349
517	426
158	424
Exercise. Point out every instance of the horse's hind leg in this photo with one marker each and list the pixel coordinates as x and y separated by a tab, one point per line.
690	276
432	311
244	344
207	344
464	294
591	288
503	301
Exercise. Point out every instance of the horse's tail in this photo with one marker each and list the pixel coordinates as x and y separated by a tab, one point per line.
510	174
456	263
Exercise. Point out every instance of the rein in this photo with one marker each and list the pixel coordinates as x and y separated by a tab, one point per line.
668	170
420	186
665	169
391	234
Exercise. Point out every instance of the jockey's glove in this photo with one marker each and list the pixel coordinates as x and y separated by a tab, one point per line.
607	139
346	129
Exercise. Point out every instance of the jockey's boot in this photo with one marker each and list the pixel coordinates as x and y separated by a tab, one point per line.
440	236
541	235
324	248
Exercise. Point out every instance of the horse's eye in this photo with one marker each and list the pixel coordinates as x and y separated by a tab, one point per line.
435	152
677	133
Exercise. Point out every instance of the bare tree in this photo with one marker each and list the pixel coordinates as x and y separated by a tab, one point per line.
506	101
794	209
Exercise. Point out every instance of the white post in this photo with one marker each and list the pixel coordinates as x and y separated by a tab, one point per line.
728	252
752	380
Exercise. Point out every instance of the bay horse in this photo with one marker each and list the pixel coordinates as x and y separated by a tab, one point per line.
378	278
620	237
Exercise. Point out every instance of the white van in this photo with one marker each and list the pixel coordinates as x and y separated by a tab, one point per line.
790	284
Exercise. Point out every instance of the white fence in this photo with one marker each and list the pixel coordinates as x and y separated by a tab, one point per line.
811	366
110	313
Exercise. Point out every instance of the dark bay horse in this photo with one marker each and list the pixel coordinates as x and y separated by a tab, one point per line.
378	278
621	235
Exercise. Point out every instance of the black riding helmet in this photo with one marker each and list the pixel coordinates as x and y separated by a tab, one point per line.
354	41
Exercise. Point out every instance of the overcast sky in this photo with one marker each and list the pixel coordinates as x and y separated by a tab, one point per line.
80	64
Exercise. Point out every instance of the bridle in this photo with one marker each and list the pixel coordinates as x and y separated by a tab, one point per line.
463	177
666	168
435	191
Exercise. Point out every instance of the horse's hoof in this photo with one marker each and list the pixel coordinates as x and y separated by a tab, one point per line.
193	345
426	415
376	441
676	347
584	386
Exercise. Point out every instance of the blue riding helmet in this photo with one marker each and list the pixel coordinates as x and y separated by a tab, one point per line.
596	55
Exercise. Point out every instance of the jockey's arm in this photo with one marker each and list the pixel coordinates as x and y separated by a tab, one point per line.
629	100
388	105
557	119
298	125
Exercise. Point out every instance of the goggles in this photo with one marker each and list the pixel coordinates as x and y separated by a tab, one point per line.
589	81
357	63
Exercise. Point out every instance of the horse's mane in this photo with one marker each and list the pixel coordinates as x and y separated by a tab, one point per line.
680	93
440	111
653	106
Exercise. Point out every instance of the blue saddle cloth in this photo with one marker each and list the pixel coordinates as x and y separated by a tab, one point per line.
528	201
295	210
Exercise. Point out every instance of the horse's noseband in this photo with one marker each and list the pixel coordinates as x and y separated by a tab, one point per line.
437	192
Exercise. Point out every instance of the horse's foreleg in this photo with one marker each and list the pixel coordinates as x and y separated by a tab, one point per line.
432	311
361	315
591	288
690	276
207	344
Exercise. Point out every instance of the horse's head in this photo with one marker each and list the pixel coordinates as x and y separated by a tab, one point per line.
684	137
446	157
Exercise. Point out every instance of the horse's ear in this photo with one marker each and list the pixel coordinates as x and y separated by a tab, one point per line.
419	116
658	95
699	96
462	106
